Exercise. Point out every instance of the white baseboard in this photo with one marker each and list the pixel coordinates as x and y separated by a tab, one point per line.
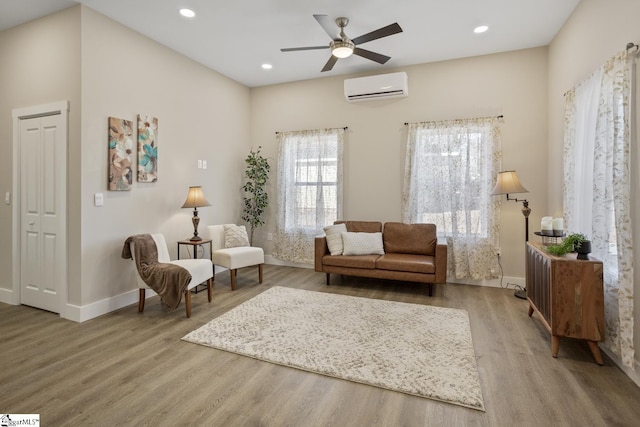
269	259
78	313
507	282
83	313
98	308
7	296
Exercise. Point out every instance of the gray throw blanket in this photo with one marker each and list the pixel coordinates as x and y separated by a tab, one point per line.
168	280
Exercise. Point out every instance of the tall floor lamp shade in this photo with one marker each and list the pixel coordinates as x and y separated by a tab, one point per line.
195	200
508	183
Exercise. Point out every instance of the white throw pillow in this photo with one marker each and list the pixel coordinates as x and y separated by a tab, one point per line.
334	237
235	235
362	244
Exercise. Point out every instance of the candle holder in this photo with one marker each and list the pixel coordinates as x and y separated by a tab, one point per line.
548	239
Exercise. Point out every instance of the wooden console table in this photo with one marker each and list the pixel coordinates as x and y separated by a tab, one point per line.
568	296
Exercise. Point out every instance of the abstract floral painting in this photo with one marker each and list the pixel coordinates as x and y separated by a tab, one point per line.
147	148
120	150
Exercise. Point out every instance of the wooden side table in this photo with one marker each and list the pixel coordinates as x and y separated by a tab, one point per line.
194	244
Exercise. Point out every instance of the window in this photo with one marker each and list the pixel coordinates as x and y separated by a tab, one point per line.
450	171
309	189
457	160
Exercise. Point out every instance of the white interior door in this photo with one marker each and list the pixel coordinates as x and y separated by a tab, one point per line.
43	147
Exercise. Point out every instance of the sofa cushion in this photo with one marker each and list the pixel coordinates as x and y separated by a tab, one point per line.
407	262
362	226
356	261
403	238
362	244
334	238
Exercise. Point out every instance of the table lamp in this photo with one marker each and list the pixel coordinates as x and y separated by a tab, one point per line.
195	200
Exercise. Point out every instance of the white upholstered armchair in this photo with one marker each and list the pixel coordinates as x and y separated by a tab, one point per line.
201	270
231	250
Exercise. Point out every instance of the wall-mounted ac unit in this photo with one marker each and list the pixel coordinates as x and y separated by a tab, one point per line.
381	86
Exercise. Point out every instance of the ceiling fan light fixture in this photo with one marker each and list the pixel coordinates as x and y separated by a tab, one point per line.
187	13
481	29
342	48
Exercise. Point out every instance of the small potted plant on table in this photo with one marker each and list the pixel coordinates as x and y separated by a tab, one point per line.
576	242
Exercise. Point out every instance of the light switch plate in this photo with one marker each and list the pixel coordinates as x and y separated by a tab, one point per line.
98	199
7	198
204	164
199	164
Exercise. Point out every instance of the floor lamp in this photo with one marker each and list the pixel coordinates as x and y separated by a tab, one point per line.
508	183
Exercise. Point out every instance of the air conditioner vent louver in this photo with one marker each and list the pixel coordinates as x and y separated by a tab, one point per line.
381	86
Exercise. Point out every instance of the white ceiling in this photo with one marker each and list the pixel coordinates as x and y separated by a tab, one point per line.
235	37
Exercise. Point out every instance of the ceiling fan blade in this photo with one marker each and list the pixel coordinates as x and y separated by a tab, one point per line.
295	49
328	25
389	30
330	63
377	57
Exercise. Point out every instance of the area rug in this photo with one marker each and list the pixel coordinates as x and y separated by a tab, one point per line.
415	349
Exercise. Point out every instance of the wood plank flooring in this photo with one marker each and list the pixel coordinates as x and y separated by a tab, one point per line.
132	369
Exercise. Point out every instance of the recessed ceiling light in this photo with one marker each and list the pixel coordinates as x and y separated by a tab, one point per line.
480	29
187	13
267	66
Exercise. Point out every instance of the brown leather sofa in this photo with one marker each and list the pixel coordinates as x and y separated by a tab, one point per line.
411	253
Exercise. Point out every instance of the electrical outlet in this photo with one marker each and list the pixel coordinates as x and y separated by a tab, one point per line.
199	164
498	252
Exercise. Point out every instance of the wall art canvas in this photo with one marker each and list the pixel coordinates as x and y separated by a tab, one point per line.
120	151
147	148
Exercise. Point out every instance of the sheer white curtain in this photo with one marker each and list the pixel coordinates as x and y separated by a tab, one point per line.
450	171
309	190
597	179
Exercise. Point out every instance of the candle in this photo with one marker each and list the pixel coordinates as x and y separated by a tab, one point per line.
546	225
558	226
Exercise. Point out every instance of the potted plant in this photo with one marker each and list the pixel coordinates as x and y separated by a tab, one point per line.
256	198
576	242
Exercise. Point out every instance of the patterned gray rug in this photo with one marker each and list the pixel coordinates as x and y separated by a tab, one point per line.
415	349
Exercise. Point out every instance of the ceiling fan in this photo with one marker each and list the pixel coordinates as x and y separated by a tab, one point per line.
342	46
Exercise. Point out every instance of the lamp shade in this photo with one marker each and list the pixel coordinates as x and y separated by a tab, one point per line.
195	198
508	183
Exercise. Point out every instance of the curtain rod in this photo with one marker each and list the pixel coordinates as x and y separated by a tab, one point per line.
344	128
628	47
497	117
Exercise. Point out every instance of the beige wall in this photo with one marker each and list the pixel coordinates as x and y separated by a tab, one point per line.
513	84
594	33
40	63
105	69
202	115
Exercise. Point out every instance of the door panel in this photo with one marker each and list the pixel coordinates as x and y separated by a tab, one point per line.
43	197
